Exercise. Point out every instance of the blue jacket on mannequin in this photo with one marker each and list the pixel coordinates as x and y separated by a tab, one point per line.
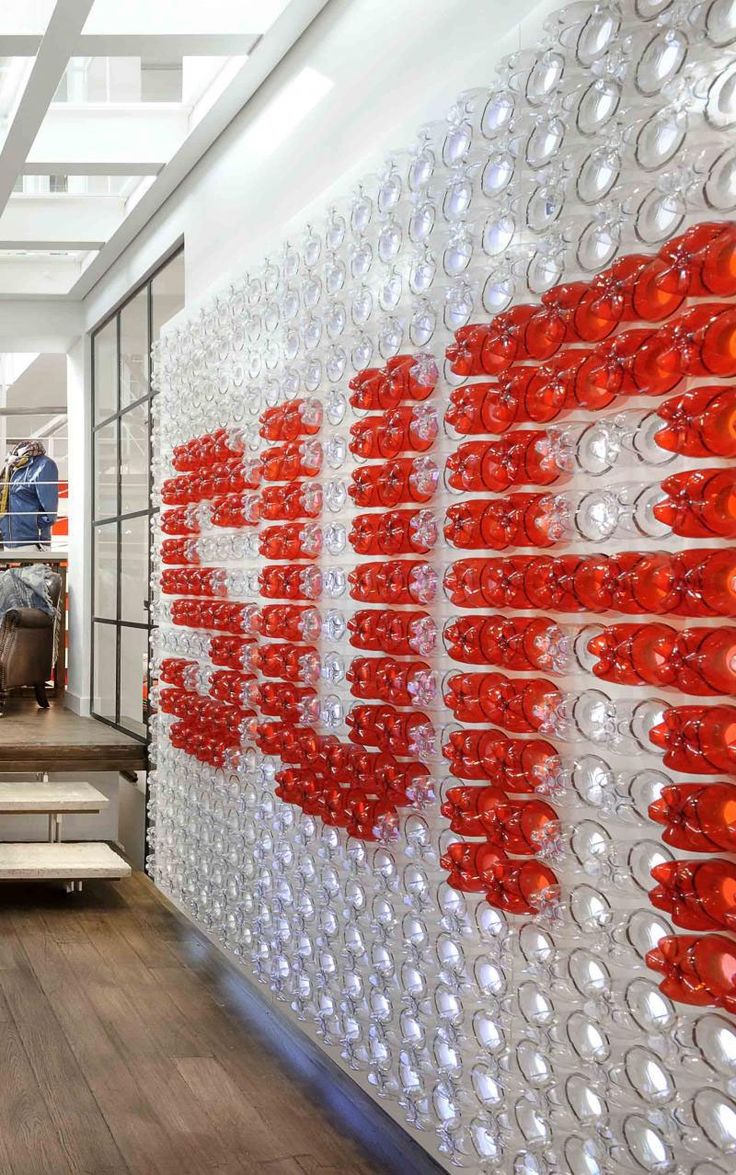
32	501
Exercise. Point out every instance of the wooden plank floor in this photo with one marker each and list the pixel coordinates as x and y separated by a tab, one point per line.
125	1048
59	740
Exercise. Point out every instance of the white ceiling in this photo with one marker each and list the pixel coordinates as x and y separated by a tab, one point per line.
104	108
41	385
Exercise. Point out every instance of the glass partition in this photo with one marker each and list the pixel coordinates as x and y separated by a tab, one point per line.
104	662
121	455
134	344
105	367
134	459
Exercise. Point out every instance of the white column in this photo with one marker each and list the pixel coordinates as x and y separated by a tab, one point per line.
80	529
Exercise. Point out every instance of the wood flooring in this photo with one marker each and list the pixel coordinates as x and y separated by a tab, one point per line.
126	1048
58	740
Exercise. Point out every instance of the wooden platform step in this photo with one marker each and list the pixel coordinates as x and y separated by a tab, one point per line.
60	862
58	740
50	797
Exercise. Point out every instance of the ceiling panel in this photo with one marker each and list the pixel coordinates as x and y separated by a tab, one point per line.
105	106
183	16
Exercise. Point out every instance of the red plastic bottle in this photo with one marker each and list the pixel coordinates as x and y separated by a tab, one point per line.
550	583
521	887
584	320
553	323
396	532
370	390
412	377
684	583
371	820
289	661
518	705
707	656
233	652
509	642
528	457
700	423
709	581
292	461
684	258
480	408
516	765
288	422
228	686
216	480
290	581
495	583
695	660
387	680
194	581
402	430
208	449
698	739
697	817
464	806
174	670
514	520
634	289
718	273
702	341
281	699
236	510
631	363
697	969
635	654
388	729
398	633
296	540
298	499
470	866
406	479
182	521
700	895
518	826
700	503
290	622
179	551
405	377
394	582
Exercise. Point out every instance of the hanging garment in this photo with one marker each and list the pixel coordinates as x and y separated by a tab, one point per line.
26	587
29	497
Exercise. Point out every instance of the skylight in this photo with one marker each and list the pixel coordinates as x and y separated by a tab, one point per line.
98	101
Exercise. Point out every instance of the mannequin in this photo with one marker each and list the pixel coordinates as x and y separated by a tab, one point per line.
29	496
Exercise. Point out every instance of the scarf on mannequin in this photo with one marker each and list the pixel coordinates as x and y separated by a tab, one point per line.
22	455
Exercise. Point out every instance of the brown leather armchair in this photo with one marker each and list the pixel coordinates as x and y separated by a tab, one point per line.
27	652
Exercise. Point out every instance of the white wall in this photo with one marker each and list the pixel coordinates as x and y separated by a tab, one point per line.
31	324
80	527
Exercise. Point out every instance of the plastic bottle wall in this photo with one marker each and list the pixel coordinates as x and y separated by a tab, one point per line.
446	644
